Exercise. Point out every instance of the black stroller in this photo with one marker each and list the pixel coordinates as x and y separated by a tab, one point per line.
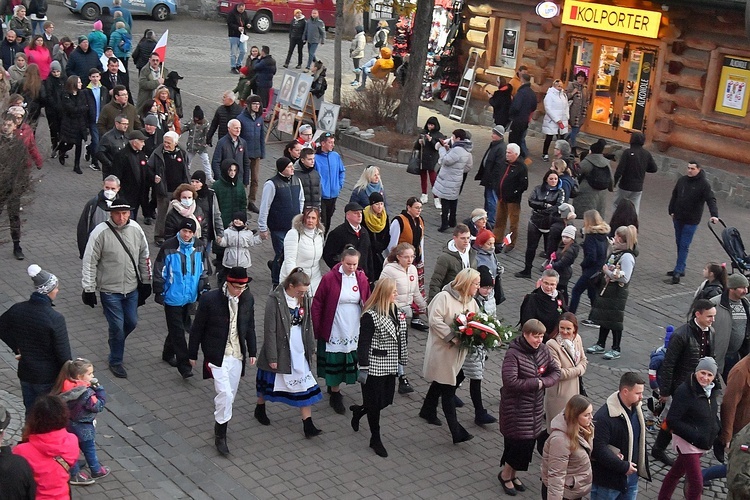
731	242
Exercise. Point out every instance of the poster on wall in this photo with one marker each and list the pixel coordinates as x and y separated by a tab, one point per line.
732	95
510	38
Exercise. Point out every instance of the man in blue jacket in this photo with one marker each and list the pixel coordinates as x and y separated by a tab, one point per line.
253	131
332	172
179	275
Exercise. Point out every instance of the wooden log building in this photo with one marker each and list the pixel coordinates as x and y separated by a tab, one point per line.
677	70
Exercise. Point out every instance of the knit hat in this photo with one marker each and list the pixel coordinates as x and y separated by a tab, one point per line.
98	25
570	232
55	66
376	198
4	418
282	163
485	276
353	207
736	280
237	275
44	281
244	70
499	130
152	120
198	113
598	146
708	364
241	215
297	11
359	28
187	223
478	213
199	175
16	111
82	39
566	211
484	236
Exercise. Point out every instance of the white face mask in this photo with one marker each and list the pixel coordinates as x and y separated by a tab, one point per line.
186	203
109	194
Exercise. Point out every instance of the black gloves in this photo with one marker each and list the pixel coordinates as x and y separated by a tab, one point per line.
89	298
159	299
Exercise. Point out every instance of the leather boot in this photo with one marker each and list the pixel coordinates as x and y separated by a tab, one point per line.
377	445
337	403
220	435
357	413
309	427
260	414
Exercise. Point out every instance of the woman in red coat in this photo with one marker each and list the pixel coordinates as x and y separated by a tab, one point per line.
335	313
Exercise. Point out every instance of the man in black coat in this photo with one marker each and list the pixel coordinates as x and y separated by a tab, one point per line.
514	180
232	147
620	426
228	110
524	103
689	343
113	77
111	143
631	171
490	172
8	49
350	232
96	211
81	60
686	208
37	335
225	347
129	166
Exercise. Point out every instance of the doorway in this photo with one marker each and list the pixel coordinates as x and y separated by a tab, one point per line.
619	83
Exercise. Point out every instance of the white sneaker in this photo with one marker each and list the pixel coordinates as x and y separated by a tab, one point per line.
438	205
354	83
423	199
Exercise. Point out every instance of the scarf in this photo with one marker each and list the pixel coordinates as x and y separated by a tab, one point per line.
188	213
374	187
376	223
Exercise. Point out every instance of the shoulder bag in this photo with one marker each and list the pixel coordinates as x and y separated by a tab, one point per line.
415	162
144	289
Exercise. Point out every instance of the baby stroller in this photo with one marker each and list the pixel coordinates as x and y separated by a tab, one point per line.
731	242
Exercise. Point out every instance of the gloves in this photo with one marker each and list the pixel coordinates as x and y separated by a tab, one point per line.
159	298
89	298
362	377
144	292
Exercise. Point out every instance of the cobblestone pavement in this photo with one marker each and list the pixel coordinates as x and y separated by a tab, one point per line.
157	431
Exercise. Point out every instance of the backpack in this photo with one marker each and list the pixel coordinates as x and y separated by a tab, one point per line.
575	187
599	178
126	43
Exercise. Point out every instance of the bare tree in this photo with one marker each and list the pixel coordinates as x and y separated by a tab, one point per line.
407	114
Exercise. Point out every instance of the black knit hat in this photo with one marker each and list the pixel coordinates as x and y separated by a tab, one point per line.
198	113
199	175
241	215
282	163
485	276
376	198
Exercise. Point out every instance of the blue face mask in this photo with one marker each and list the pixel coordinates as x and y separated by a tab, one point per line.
186	203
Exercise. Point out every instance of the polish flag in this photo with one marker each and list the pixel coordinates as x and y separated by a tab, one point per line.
507	240
161	47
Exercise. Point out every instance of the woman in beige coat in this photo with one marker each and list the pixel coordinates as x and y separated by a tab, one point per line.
566	461
443	358
567	349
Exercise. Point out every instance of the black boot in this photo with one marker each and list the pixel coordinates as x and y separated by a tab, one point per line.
377	445
220	438
260	414
337	403
17	252
77	169
357	413
373	418
309	427
658	451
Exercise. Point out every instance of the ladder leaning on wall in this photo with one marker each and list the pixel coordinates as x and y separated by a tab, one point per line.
463	93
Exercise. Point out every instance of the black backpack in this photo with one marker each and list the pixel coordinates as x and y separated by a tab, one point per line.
599	178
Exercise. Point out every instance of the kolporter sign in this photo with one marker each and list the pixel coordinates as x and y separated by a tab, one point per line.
595	16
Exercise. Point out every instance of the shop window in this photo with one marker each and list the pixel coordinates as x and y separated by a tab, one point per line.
508	45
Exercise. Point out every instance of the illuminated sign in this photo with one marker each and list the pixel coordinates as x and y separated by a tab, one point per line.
547	10
636	22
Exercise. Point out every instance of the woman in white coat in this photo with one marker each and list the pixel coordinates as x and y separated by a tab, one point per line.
401	269
556	115
455	161
303	247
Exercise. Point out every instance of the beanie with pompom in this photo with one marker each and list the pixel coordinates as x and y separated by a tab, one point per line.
44	281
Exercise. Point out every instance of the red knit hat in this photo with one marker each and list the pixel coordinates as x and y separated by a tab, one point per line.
484	236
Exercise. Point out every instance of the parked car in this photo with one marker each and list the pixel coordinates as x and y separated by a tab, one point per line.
266	13
160	10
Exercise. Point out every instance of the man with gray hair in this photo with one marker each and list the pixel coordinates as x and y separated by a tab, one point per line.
227	111
514	180
96	211
167	169
232	147
111	143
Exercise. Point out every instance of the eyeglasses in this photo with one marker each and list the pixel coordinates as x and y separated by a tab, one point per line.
238	286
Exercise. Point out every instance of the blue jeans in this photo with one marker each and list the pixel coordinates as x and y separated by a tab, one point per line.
714	472
236	52
490	205
311	48
599	493
31	391
572	136
37	27
523	146
94	144
582	285
121	312
277	240
89	452
683	236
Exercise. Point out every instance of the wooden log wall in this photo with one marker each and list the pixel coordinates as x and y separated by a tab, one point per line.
684	114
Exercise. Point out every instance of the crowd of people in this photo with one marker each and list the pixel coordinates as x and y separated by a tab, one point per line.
346	297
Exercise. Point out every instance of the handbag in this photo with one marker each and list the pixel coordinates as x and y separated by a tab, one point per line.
596	280
582	387
499	293
415	162
144	289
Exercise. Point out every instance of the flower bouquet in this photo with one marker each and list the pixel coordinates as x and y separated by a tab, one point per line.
480	329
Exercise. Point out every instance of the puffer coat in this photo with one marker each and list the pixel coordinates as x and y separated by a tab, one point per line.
303	249
609	308
454	164
589	198
407	285
555	110
521	399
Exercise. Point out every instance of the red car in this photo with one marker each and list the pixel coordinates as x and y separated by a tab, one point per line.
266	13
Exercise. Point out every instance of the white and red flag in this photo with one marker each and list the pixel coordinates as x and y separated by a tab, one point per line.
161	47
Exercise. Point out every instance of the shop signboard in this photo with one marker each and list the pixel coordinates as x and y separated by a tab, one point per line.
732	95
637	22
641	97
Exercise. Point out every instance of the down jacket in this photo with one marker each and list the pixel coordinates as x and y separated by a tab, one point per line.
694	416
407	285
555	110
230	193
75	127
454	164
303	248
521	399
557	396
566	474
683	354
40	451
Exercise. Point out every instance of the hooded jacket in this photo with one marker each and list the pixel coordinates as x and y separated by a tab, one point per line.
555	110
230	193
303	248
357	48
688	197
454	164
332	173
384	65
297	28
253	131
635	162
40	451
429	151
566	474
180	271
407	284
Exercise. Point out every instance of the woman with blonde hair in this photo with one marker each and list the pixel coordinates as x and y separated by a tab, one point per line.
443	358
566	461
381	351
303	247
594	247
369	182
166	109
609	309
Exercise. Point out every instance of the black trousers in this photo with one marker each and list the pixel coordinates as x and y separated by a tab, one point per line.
475	391
616	338
533	235
67	146
327	207
515	136
294	43
178	324
448	214
447	393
